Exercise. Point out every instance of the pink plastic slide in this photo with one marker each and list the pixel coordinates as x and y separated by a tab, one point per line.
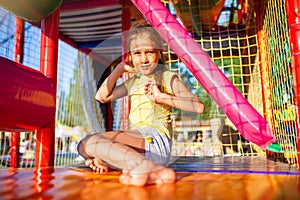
247	120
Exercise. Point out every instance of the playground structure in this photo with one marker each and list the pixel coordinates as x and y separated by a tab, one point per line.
240	57
259	55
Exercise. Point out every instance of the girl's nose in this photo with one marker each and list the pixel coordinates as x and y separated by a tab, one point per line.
144	58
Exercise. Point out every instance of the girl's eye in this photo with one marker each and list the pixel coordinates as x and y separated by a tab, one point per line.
151	52
136	53
147	52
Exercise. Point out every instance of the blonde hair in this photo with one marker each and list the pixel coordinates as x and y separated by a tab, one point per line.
140	28
143	29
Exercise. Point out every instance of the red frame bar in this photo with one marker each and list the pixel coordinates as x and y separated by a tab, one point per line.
109	121
45	138
19	38
19	52
293	16
126	23
15	149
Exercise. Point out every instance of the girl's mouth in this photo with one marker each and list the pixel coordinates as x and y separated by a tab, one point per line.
145	66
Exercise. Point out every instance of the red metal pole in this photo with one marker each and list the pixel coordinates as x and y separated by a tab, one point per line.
15	136
19	38
45	139
126	23
293	15
109	114
14	149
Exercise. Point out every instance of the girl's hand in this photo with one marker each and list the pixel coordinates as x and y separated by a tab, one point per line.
128	67
152	91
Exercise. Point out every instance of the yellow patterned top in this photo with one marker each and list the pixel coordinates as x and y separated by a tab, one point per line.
143	111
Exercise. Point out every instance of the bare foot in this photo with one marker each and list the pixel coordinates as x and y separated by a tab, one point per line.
96	165
148	173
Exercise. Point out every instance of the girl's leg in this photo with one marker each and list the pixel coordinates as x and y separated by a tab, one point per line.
118	149
87	147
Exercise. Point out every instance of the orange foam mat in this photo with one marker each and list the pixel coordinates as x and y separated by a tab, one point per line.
80	183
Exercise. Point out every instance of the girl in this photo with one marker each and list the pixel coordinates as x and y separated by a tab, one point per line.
142	151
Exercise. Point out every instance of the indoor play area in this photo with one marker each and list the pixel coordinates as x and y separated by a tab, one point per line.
240	57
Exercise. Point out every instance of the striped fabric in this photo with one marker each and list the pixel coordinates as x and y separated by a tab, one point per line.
157	144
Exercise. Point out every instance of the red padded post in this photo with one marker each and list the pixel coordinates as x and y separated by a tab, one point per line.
45	138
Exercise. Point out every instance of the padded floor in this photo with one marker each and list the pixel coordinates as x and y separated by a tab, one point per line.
197	178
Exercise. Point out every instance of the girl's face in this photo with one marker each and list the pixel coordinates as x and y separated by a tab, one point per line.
144	54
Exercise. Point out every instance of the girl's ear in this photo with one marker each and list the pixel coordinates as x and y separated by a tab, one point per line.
161	56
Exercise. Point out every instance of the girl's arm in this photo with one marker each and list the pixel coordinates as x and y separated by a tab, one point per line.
107	91
183	99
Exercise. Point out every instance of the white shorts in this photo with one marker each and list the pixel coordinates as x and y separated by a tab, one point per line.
158	148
